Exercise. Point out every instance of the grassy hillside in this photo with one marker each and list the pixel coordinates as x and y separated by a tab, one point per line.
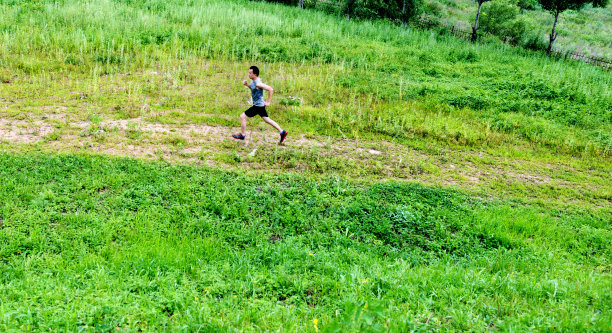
103	244
426	183
370	78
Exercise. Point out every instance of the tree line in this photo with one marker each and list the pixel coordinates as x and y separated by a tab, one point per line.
554	7
403	11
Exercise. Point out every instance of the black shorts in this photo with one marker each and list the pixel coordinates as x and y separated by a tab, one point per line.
256	110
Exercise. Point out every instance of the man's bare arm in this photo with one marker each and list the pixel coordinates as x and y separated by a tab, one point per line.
269	89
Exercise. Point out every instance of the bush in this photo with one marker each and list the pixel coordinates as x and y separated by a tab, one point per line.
500	18
286	2
535	42
600	3
393	9
433	8
528	4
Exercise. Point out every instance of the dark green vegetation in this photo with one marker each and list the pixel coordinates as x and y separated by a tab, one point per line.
99	243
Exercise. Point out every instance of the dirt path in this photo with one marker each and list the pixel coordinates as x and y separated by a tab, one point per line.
476	172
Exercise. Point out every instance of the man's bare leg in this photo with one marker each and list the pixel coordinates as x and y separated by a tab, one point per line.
243	119
273	123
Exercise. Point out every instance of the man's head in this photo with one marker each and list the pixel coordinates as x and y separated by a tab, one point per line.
253	72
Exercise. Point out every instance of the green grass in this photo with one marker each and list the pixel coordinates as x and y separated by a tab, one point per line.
179	64
97	243
497	214
401	83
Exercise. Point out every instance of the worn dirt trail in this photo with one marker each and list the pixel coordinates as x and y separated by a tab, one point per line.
477	172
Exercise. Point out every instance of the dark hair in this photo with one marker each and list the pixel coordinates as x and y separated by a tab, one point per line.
255	70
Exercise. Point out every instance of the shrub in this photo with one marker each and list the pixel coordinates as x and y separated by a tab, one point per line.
394	10
534	41
500	18
432	8
528	4
402	10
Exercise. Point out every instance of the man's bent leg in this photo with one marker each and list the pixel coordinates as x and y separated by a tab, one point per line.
272	122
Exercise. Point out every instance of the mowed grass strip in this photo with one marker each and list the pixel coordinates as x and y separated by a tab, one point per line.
100	243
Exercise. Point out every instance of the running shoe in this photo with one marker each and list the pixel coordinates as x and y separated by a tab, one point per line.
283	135
238	136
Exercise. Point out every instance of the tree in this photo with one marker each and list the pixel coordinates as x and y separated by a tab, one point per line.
600	3
556	7
348	8
411	9
475	27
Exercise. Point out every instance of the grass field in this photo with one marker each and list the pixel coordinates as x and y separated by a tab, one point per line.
97	243
426	184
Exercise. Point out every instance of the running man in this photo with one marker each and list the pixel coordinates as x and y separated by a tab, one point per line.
259	105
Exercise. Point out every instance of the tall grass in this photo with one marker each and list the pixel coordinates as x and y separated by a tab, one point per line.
557	104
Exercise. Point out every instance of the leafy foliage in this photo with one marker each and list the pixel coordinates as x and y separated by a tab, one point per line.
559	6
600	3
501	18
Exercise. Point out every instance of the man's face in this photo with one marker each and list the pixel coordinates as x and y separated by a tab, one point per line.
251	75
